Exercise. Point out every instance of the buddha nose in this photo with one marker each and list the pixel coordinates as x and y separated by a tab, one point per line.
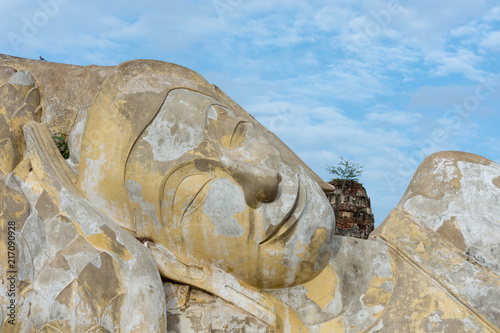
259	183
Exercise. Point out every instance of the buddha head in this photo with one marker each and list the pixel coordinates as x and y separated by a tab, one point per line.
174	160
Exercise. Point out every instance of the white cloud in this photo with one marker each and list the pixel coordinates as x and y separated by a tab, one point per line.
439	97
393	118
462	61
492	41
493	14
466	30
332	18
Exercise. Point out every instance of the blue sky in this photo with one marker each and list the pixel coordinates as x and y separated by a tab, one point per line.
383	83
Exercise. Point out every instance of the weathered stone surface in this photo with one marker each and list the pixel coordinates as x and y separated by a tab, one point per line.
204	312
67	90
447	227
19	103
85	274
178	212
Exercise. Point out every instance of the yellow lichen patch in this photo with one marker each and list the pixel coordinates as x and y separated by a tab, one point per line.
416	299
226	140
78	229
425	182
425	306
79	304
336	325
176	295
321	290
487	277
309	266
14	207
33	182
113	312
9	156
305	251
376	294
106	240
412	239
92	277
286	319
450	230
496	182
455	182
420	248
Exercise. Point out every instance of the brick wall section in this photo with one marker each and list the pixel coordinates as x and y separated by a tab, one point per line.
353	213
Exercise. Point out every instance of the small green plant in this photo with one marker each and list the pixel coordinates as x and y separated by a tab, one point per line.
61	141
346	170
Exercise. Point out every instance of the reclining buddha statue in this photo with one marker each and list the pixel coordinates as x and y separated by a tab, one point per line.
177	211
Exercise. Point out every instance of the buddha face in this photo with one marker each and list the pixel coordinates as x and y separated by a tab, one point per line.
215	187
